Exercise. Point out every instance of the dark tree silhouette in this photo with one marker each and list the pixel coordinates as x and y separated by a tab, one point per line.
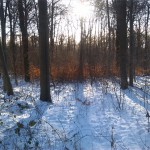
122	41
131	69
44	51
23	16
6	78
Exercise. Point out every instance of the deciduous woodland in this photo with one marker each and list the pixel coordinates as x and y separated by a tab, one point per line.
74	58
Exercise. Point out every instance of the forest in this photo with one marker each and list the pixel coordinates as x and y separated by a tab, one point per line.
75	74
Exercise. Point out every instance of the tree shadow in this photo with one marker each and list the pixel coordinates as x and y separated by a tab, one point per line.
22	115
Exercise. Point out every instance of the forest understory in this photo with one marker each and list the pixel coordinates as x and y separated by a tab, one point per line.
83	116
74	75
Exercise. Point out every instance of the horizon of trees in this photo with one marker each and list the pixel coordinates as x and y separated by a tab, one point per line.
115	42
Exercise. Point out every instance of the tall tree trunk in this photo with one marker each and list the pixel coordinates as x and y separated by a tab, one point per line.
13	51
12	42
146	42
23	27
52	28
52	35
3	32
3	25
6	78
122	41
44	52
131	64
90	56
81	50
109	40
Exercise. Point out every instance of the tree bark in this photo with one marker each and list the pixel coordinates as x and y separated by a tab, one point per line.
23	27
122	41
44	52
131	65
81	53
12	22
146	42
6	78
3	13
109	40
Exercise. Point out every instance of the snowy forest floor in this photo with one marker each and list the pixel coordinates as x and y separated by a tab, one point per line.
82	117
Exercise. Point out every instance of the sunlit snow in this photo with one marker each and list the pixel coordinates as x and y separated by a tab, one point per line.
82	117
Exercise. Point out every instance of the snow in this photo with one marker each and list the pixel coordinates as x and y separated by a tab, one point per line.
82	117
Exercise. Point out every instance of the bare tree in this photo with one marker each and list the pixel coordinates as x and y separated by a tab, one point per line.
122	41
109	37
23	16
12	14
3	15
81	52
6	78
131	69
44	52
146	39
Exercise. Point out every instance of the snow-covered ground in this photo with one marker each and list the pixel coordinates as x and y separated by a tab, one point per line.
82	117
